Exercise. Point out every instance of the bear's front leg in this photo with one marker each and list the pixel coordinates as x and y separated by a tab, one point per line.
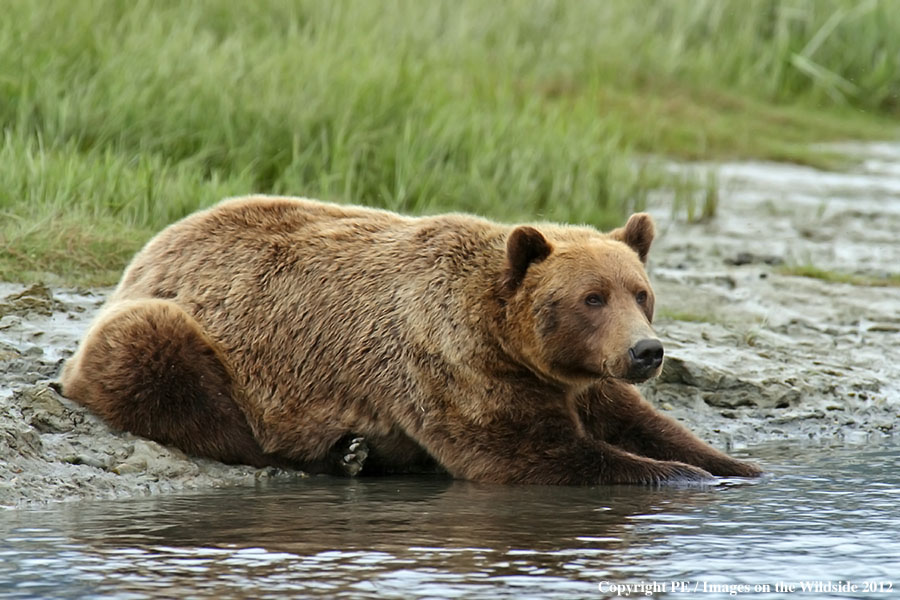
616	413
545	451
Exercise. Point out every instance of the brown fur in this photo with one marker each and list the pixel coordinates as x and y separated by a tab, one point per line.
268	330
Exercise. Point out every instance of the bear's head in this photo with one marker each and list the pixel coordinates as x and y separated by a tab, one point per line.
579	303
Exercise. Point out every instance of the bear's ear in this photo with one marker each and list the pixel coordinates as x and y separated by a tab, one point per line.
524	247
638	234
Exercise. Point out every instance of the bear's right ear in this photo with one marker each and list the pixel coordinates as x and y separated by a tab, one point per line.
524	247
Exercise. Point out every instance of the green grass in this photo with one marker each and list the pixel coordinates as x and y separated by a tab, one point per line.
121	116
812	272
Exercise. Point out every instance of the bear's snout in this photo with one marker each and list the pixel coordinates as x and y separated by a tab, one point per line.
646	357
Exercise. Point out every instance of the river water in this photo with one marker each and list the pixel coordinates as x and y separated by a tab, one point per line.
822	516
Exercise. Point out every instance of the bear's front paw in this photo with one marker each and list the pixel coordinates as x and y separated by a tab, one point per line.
737	468
352	460
642	470
680	473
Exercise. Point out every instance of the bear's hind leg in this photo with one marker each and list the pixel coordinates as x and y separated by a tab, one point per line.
348	456
148	367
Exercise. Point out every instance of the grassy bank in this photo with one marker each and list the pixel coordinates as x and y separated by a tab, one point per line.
813	272
119	117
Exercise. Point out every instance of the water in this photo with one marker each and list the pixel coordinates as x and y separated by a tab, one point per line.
828	515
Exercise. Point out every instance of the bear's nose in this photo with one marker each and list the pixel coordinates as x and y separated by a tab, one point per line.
646	355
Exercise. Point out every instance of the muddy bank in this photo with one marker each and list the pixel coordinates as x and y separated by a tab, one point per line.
752	354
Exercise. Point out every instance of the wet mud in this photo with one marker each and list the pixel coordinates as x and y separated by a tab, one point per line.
755	354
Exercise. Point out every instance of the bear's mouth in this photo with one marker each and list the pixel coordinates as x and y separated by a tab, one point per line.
639	375
569	372
630	378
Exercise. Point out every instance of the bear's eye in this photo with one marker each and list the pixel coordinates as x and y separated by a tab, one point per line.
641	297
595	300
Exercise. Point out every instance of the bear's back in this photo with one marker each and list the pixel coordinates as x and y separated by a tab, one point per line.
304	294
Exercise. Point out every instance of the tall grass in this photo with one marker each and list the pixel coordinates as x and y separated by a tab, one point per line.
833	52
121	116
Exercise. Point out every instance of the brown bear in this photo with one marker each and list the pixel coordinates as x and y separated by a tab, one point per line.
274	331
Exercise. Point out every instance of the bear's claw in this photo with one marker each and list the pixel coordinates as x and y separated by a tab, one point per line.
676	473
352	462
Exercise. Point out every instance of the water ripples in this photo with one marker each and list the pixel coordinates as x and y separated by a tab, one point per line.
834	516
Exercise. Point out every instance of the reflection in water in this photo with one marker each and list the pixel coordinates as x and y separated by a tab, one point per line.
823	515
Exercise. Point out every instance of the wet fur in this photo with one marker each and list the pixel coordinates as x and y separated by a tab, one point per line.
270	330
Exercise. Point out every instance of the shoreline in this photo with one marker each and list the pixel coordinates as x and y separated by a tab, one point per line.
754	354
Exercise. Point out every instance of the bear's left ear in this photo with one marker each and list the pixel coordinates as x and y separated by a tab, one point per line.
638	234
524	247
